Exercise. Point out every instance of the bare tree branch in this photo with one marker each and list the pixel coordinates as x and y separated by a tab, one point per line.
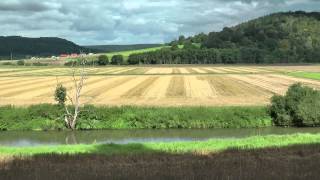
71	118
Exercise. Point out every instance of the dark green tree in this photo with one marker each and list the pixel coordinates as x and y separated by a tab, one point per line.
60	94
117	59
103	60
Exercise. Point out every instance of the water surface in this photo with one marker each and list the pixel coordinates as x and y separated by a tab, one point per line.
35	138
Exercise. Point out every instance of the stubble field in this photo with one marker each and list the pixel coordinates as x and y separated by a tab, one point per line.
155	86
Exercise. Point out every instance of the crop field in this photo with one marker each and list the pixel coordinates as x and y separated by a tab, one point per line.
158	70
155	86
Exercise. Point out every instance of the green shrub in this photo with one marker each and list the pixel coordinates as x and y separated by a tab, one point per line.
70	63
103	60
117	60
8	63
21	63
299	107
40	64
60	94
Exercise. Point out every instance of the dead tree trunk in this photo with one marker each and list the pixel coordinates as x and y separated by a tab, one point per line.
71	116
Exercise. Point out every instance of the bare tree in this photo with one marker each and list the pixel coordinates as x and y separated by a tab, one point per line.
78	78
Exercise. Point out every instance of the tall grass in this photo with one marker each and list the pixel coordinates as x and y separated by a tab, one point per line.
50	117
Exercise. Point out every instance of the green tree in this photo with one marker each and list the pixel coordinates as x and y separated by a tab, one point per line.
21	63
174	46
103	60
181	39
60	94
117	60
299	107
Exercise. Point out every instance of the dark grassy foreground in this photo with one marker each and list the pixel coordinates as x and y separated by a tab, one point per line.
265	157
50	117
292	162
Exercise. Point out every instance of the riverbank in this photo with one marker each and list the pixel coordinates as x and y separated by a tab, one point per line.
50	117
210	146
267	157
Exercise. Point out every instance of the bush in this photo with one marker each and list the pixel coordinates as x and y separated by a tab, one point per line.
8	63
103	60
60	94
70	63
21	63
299	107
39	64
117	60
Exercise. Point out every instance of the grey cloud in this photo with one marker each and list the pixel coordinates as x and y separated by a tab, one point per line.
31	6
133	21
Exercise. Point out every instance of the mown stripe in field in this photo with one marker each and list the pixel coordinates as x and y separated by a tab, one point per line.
158	90
22	83
206	71
272	87
140	89
134	71
196	88
109	70
176	87
12	80
176	71
104	87
215	70
70	86
309	82
29	88
192	71
159	71
226	86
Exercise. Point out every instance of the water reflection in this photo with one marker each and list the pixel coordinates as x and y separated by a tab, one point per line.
30	138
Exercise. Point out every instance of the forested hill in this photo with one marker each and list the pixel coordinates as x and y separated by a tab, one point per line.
21	47
289	37
294	35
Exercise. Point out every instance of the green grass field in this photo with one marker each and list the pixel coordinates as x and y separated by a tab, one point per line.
215	145
309	75
126	54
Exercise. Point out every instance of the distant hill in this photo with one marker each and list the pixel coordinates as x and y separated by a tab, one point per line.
286	37
118	48
21	47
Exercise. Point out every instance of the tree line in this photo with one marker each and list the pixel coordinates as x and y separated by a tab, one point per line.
222	56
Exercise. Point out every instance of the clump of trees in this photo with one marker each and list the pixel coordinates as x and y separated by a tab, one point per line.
103	60
300	107
193	55
117	60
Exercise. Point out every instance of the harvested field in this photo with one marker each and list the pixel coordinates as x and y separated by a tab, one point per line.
147	86
138	70
160	71
176	87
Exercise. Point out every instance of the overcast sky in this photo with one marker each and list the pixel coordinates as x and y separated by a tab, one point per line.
88	22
